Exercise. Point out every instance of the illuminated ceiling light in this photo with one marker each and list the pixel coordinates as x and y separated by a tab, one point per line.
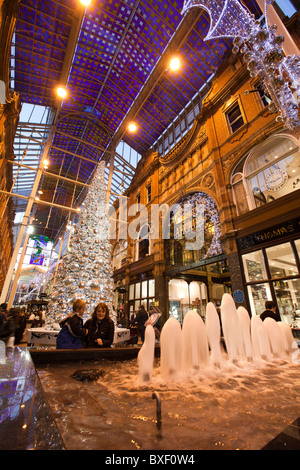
40	192
61	92
132	127
30	229
85	2
175	64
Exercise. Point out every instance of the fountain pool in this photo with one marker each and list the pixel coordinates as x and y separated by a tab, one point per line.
210	398
230	408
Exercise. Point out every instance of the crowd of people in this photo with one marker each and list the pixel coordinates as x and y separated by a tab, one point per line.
97	331
12	325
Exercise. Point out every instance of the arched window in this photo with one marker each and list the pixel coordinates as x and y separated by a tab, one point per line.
269	172
184	224
119	254
142	243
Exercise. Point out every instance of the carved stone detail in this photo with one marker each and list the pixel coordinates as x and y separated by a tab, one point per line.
208	180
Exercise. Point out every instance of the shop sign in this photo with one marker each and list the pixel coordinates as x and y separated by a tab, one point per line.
273	233
238	296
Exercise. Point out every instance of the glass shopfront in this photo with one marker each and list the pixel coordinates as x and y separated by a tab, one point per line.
141	293
184	296
273	273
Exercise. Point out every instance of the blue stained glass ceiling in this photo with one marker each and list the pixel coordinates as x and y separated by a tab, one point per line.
111	57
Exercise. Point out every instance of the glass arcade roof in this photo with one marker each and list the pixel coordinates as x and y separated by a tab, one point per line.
113	58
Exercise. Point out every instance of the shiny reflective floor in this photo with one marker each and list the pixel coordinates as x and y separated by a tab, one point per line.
25	418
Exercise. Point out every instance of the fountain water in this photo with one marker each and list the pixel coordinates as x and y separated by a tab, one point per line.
213	331
146	355
205	398
288	339
197	345
171	346
245	324
231	328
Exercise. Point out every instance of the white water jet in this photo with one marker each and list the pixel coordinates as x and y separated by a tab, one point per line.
171	350
195	345
275	336
213	333
231	328
245	325
288	339
260	340
146	355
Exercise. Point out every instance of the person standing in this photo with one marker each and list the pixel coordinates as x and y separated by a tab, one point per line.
140	320
270	311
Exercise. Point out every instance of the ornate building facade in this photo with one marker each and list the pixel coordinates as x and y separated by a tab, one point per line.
236	162
243	167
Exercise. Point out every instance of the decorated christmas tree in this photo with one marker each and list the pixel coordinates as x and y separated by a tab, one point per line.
86	268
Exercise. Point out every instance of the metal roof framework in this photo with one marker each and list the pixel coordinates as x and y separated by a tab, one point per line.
113	58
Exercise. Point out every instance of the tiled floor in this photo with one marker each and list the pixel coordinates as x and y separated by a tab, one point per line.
288	439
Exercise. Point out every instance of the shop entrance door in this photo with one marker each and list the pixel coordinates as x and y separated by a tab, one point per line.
193	288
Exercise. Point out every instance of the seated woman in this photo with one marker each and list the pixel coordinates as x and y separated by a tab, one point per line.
100	328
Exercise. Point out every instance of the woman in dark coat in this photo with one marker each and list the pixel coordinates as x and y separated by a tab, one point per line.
100	328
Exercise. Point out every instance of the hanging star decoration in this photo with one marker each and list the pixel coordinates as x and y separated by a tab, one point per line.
263	53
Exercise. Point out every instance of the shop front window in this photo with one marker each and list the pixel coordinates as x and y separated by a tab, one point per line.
282	261
287	295
141	293
254	266
151	287
258	294
274	274
184	296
